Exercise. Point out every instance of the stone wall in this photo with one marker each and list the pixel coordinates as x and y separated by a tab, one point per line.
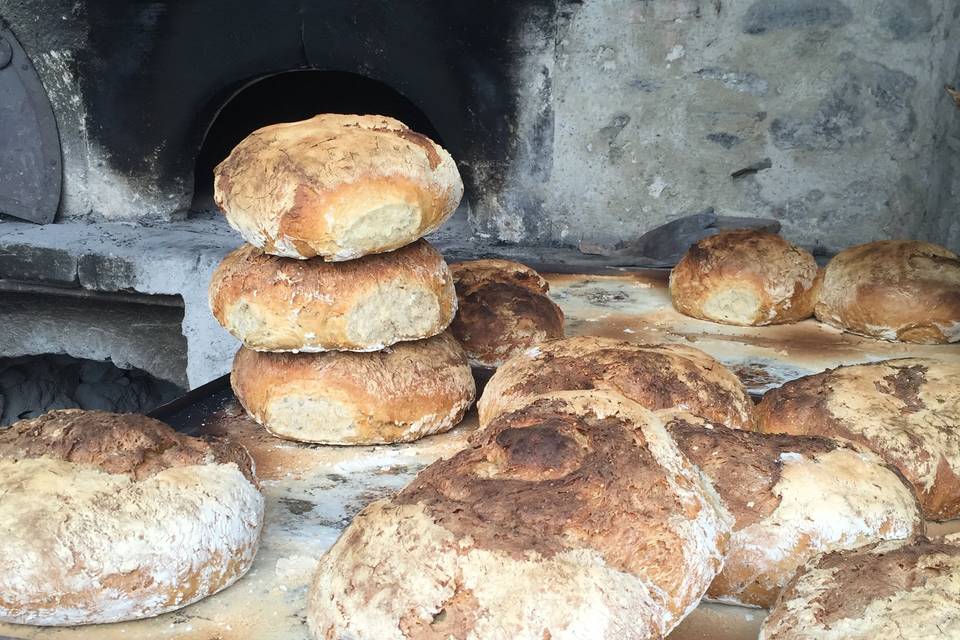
828	115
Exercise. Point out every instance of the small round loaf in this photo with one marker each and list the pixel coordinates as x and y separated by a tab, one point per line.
400	394
336	186
657	377
745	277
905	410
277	304
902	589
573	517
107	517
503	308
894	289
792	497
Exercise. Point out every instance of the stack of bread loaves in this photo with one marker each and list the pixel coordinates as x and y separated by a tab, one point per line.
340	306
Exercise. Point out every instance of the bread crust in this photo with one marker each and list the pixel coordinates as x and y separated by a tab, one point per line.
902	290
878	591
745	277
575	516
503	308
109	517
277	304
336	187
906	410
400	394
655	376
792	497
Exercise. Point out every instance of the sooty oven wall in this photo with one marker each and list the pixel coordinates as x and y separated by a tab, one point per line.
592	120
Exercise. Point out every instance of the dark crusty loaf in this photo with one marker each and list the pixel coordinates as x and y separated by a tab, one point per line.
906	410
901	589
574	516
503	308
792	497
655	376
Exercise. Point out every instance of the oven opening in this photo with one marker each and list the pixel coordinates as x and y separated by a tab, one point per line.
291	96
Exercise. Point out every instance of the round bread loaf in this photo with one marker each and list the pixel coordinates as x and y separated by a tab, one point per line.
107	517
503	308
745	277
573	517
336	186
405	392
894	289
655	376
792	497
907	590
906	410
276	304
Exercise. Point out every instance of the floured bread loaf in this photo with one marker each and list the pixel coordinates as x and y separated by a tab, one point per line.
745	277
405	392
336	186
887	590
655	376
107	517
792	497
573	517
503	308
906	410
894	289
276	304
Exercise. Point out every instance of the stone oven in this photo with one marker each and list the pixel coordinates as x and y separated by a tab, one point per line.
574	123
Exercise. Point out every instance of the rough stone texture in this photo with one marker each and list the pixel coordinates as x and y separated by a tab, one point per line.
173	259
128	335
652	106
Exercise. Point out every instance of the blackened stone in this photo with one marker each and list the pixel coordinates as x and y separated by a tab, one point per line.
773	15
30	263
725	140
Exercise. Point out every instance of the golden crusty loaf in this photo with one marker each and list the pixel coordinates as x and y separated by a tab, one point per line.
277	304
503	308
902	589
792	497
745	277
573	517
906	410
336	186
655	376
107	517
405	392
894	289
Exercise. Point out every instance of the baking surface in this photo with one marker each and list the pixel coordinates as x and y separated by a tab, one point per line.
636	306
313	491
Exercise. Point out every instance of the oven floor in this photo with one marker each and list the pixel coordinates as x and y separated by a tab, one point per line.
313	491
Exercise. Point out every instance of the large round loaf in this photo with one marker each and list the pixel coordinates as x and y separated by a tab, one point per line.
655	376
792	497
336	186
894	289
277	304
107	517
904	590
503	308
745	277
573	517
405	392
905	410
